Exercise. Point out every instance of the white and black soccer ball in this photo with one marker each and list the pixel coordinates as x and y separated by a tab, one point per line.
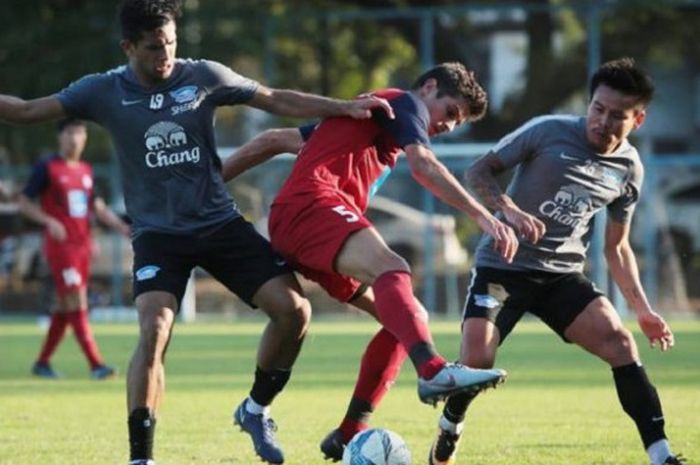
376	447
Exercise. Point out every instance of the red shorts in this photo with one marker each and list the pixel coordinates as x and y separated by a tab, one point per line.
70	267
309	234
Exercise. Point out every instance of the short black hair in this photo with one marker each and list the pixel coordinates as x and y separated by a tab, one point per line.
138	16
66	122
455	80
623	75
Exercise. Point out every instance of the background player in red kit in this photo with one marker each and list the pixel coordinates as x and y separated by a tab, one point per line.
317	222
64	186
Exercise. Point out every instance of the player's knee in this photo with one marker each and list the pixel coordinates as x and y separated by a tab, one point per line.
619	346
388	261
294	313
155	330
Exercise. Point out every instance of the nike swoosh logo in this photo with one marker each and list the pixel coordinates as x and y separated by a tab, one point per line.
126	103
655	419
567	157
447	384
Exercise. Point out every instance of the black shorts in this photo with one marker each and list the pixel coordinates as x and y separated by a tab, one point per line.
503	296
235	254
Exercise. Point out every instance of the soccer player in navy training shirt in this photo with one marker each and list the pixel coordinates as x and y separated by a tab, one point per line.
159	111
63	185
567	168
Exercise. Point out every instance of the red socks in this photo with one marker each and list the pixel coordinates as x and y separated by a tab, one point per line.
57	328
401	315
81	328
380	366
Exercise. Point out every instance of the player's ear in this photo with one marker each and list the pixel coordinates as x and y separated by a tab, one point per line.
127	46
430	84
639	118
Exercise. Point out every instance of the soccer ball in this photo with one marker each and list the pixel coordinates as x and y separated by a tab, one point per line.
376	447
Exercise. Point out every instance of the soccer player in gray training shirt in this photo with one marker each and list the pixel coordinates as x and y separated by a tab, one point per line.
566	169
160	113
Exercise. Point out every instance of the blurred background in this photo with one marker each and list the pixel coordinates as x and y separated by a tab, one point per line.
533	57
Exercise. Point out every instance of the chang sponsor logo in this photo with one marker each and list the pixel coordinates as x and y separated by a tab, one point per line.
164	143
571	206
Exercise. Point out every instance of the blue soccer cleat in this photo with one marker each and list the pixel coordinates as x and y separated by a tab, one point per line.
261	429
455	378
102	372
142	462
44	370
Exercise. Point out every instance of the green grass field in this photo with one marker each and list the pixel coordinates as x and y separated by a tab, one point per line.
558	406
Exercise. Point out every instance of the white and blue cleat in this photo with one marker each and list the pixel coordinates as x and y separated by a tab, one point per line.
455	378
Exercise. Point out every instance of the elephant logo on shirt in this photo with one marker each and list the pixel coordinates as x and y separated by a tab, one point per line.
575	198
166	144
165	134
571	206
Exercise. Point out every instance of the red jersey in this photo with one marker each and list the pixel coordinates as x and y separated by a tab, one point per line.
65	191
347	156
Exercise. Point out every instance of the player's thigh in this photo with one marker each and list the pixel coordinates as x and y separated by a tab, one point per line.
496	300
599	330
73	300
242	260
162	264
69	271
366	256
567	296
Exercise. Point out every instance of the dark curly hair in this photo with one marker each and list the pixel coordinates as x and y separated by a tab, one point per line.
138	16
455	80
623	75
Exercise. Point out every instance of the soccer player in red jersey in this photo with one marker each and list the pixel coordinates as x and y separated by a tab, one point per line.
64	186
317	223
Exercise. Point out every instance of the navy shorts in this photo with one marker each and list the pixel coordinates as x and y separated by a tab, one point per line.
503	297
235	254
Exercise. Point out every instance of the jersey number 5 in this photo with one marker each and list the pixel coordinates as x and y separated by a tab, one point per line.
350	217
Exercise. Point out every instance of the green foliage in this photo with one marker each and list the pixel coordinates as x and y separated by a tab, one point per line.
558	406
46	44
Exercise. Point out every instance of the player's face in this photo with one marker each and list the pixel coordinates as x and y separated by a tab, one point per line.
611	117
153	57
446	112
71	141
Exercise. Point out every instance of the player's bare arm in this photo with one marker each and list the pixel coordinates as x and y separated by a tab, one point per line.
481	179
261	148
107	216
625	272
34	212
296	104
15	110
434	176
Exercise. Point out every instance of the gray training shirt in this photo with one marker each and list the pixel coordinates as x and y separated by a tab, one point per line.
563	182
164	138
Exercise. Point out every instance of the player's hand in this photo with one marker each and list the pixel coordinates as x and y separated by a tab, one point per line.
656	330
125	230
361	107
505	240
526	225
56	230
